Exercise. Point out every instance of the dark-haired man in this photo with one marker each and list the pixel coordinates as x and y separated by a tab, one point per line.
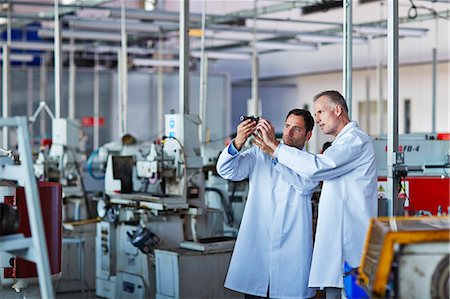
272	255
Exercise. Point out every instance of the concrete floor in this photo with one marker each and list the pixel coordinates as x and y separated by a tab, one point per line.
76	295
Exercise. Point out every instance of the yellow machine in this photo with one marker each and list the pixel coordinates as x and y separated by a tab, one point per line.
406	257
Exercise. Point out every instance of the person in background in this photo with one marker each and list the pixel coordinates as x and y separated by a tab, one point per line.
272	255
349	194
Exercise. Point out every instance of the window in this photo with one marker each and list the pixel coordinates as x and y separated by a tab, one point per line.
368	118
407	119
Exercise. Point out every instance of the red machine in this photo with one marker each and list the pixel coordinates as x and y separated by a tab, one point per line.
426	188
50	195
425	194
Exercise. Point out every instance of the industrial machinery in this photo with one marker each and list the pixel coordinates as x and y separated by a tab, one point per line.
154	199
59	160
425	171
407	257
30	228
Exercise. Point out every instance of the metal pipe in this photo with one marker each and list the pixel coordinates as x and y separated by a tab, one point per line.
160	92
184	58
255	66
434	79
120	111
368	104
379	74
30	97
433	87
57	62
393	157
348	55
6	83
203	81
72	78
96	135
124	70
43	93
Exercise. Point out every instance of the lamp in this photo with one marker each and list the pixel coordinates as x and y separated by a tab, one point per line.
285	46
19	57
222	55
86	35
318	38
374	30
155	62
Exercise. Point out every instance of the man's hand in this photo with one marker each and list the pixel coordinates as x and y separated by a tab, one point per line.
263	146
244	130
267	132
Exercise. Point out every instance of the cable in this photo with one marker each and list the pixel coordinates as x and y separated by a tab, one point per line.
83	187
412	11
402	188
184	160
229	218
90	163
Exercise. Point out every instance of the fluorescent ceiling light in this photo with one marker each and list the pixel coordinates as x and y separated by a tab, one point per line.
318	38
155	62
83	35
383	31
285	46
44	46
114	25
222	55
19	57
237	35
197	43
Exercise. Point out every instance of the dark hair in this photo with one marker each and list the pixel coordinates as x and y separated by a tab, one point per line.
326	145
335	97
307	118
128	139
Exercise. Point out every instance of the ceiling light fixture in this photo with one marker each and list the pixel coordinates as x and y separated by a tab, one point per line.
285	46
16	57
155	62
374	30
222	55
318	38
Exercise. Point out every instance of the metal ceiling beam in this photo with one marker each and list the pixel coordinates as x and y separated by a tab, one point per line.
155	15
382	23
49	14
83	4
82	35
402	20
251	13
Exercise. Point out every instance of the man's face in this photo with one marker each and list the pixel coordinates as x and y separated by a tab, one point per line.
294	132
326	115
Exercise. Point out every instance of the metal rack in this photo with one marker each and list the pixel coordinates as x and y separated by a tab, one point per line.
33	248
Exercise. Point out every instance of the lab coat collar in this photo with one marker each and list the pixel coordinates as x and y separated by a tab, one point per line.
350	125
302	149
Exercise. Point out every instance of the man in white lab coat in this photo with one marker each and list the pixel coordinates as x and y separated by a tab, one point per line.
272	255
349	193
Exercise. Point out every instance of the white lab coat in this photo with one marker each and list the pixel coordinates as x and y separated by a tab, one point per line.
274	243
347	202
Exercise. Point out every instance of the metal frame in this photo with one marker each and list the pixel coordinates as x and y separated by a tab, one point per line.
35	247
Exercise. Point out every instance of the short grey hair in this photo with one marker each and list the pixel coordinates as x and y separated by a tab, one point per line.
335	97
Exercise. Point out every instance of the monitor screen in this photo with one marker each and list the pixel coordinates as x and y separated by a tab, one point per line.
123	171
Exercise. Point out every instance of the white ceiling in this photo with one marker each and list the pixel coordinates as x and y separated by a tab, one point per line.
288	25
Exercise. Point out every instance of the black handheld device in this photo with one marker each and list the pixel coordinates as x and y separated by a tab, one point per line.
243	117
